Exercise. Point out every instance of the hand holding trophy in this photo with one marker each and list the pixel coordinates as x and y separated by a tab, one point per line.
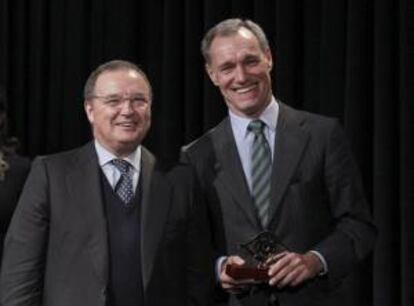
261	252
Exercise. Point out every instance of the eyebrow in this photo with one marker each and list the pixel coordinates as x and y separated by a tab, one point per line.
245	58
134	94
225	64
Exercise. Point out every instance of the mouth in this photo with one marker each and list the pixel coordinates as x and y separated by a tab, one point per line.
245	89
127	124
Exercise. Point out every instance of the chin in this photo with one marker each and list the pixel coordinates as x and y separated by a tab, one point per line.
247	102
126	147
128	142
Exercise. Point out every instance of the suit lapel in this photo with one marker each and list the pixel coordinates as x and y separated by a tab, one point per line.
84	186
155	205
290	142
229	170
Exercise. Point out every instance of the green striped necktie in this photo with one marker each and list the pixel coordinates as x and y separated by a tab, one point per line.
261	170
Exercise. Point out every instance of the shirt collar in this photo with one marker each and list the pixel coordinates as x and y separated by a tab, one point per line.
105	157
269	116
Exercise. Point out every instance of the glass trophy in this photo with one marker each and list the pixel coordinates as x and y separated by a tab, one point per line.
259	253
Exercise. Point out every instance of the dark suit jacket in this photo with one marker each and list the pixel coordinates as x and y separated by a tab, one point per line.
10	189
56	250
317	201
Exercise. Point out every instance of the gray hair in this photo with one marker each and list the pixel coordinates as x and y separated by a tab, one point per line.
114	65
230	27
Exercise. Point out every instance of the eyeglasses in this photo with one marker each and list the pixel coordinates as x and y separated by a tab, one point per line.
117	100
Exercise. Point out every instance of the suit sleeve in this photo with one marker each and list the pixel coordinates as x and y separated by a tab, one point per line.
354	233
212	205
21	279
199	254
214	223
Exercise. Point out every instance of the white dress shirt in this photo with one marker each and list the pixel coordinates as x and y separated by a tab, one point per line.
111	172
244	138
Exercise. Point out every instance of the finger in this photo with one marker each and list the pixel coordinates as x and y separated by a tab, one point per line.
276	279
271	260
283	262
237	260
228	283
288	268
292	276
224	277
302	277
237	282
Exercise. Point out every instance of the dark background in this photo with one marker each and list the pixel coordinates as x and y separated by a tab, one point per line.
349	59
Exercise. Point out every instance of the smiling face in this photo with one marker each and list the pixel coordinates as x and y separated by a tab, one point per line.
120	110
241	70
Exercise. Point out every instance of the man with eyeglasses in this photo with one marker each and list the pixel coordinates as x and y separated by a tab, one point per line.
106	224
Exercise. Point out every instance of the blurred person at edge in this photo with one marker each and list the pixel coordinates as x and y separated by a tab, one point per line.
13	171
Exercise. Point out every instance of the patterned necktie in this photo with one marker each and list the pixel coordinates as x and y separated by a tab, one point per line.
261	170
124	187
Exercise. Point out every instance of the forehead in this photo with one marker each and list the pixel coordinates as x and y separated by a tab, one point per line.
122	80
241	43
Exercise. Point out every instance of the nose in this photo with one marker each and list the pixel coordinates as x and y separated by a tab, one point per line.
127	107
240	74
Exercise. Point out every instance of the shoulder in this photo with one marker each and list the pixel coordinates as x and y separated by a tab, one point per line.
162	170
67	160
205	145
325	134
310	122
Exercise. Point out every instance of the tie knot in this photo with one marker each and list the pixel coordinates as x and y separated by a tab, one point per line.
122	165
256	126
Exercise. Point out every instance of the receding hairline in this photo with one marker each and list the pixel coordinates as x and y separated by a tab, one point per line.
231	27
130	72
112	66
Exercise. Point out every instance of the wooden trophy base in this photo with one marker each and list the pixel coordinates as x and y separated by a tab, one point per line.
247	272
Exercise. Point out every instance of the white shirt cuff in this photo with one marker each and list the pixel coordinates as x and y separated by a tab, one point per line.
323	261
219	262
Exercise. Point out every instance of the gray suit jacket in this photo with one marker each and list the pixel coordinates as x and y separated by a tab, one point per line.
56	250
317	201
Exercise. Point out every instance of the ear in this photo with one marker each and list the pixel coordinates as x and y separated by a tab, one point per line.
269	59
211	74
88	106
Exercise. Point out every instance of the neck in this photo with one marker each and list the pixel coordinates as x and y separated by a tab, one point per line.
120	151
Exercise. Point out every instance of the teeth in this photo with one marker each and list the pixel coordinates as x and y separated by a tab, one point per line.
245	89
127	124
